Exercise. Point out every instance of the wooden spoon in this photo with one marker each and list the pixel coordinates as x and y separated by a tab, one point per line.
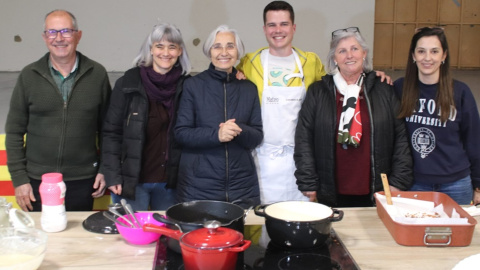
386	187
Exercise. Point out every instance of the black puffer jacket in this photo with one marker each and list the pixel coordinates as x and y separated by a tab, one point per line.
209	169
124	134
316	133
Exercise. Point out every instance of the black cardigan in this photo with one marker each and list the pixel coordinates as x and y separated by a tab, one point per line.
124	134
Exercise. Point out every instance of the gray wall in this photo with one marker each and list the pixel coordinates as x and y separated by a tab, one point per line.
113	30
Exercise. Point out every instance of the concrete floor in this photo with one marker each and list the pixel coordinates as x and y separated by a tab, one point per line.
8	80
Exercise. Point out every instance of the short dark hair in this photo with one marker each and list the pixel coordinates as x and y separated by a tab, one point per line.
279	5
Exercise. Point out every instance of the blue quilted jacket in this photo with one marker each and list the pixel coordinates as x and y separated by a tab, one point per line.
210	169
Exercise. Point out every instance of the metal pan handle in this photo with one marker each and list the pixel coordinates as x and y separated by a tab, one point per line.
441	234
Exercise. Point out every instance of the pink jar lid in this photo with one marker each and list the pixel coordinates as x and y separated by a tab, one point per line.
52	178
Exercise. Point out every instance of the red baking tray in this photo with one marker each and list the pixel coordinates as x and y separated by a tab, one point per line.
429	235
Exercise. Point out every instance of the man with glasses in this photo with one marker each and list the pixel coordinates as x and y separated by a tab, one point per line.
55	118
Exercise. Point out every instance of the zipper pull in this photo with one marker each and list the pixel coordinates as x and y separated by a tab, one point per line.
128	119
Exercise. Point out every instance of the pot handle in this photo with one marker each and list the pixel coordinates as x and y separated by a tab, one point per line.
337	218
176	234
260	210
233	220
246	244
162	219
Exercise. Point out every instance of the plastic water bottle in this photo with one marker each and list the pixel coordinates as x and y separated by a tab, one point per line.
52	191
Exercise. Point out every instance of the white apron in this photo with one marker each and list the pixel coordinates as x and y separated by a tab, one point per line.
274	157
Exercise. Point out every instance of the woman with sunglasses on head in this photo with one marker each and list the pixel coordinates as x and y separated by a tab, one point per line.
348	132
442	120
139	151
219	124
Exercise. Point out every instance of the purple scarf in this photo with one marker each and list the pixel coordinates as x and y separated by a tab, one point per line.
161	87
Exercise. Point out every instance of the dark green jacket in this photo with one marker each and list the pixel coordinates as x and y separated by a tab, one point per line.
60	136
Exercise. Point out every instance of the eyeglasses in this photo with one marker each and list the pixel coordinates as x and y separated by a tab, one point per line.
218	47
66	33
349	29
429	28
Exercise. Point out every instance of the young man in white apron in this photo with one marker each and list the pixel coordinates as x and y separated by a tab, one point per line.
274	157
282	74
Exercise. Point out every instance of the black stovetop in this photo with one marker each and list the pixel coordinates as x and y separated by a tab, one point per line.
332	255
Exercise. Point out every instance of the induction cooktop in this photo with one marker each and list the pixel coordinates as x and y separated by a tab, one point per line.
332	255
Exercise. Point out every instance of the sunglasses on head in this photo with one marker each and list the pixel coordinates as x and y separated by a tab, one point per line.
349	29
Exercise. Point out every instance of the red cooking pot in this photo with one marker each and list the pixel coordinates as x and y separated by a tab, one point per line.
209	248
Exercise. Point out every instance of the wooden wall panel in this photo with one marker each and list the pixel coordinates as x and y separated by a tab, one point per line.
384	10
403	36
383	45
469	53
427	11
421	25
449	11
471	13
405	10
453	38
393	35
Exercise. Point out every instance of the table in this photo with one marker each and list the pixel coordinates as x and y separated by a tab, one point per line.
361	230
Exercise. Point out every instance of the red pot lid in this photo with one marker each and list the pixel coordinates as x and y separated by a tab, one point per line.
212	237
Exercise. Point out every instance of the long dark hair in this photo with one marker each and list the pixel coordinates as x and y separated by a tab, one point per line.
411	92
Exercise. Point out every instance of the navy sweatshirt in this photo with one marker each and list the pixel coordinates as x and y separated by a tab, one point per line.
448	151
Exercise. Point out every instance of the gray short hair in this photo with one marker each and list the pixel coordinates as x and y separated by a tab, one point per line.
331	67
164	31
211	39
74	20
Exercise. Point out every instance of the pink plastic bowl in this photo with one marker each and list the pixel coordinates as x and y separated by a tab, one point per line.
137	236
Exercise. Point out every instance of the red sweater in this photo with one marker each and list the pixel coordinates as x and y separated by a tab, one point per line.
352	170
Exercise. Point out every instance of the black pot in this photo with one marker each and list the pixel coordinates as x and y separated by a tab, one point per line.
298	224
189	216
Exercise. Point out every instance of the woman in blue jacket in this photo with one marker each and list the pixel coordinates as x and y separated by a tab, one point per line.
218	124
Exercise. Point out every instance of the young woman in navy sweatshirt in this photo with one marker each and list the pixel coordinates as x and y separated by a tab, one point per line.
442	120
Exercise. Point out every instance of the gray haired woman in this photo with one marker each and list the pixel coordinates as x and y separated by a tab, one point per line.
139	150
348	132
219	123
